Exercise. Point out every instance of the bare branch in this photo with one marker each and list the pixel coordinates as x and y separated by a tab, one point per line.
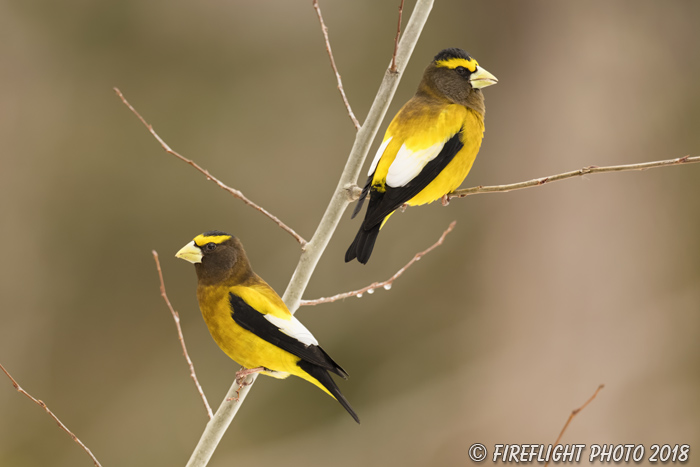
236	193
339	202
41	404
329	222
385	284
335	69
574	173
176	318
396	41
573	414
353	191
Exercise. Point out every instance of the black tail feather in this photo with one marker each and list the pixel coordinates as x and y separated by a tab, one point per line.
327	381
361	248
332	366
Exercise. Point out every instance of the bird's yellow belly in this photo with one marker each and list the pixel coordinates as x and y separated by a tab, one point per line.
451	177
241	345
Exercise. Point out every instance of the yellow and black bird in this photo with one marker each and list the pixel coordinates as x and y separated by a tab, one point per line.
250	322
429	146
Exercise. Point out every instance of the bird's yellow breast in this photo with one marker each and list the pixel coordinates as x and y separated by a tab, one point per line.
457	170
241	345
417	127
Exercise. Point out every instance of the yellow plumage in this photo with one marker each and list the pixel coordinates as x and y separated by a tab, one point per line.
429	146
250	322
436	124
241	345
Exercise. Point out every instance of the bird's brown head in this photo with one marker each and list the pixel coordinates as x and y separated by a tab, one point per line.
217	257
454	75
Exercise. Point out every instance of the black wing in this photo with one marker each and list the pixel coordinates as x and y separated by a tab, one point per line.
252	320
394	197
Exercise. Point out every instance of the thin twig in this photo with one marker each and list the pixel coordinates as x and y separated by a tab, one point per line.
58	422
353	191
236	193
176	318
574	173
387	283
335	69
396	41
573	414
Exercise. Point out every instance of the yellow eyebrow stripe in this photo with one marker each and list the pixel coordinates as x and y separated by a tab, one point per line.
453	63
201	240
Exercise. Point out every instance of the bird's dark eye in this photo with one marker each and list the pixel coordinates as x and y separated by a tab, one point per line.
210	246
461	70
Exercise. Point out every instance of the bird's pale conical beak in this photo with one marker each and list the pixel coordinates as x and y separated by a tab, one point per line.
482	78
190	252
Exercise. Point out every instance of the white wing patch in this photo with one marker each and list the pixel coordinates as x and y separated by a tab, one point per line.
293	328
378	156
408	164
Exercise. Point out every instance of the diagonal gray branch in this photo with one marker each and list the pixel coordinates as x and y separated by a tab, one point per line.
363	140
316	246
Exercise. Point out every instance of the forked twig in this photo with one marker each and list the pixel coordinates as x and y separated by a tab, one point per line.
41	404
176	318
574	173
573	414
385	284
324	29
396	41
236	193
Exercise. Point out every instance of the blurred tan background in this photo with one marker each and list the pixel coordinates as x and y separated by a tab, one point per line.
535	299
